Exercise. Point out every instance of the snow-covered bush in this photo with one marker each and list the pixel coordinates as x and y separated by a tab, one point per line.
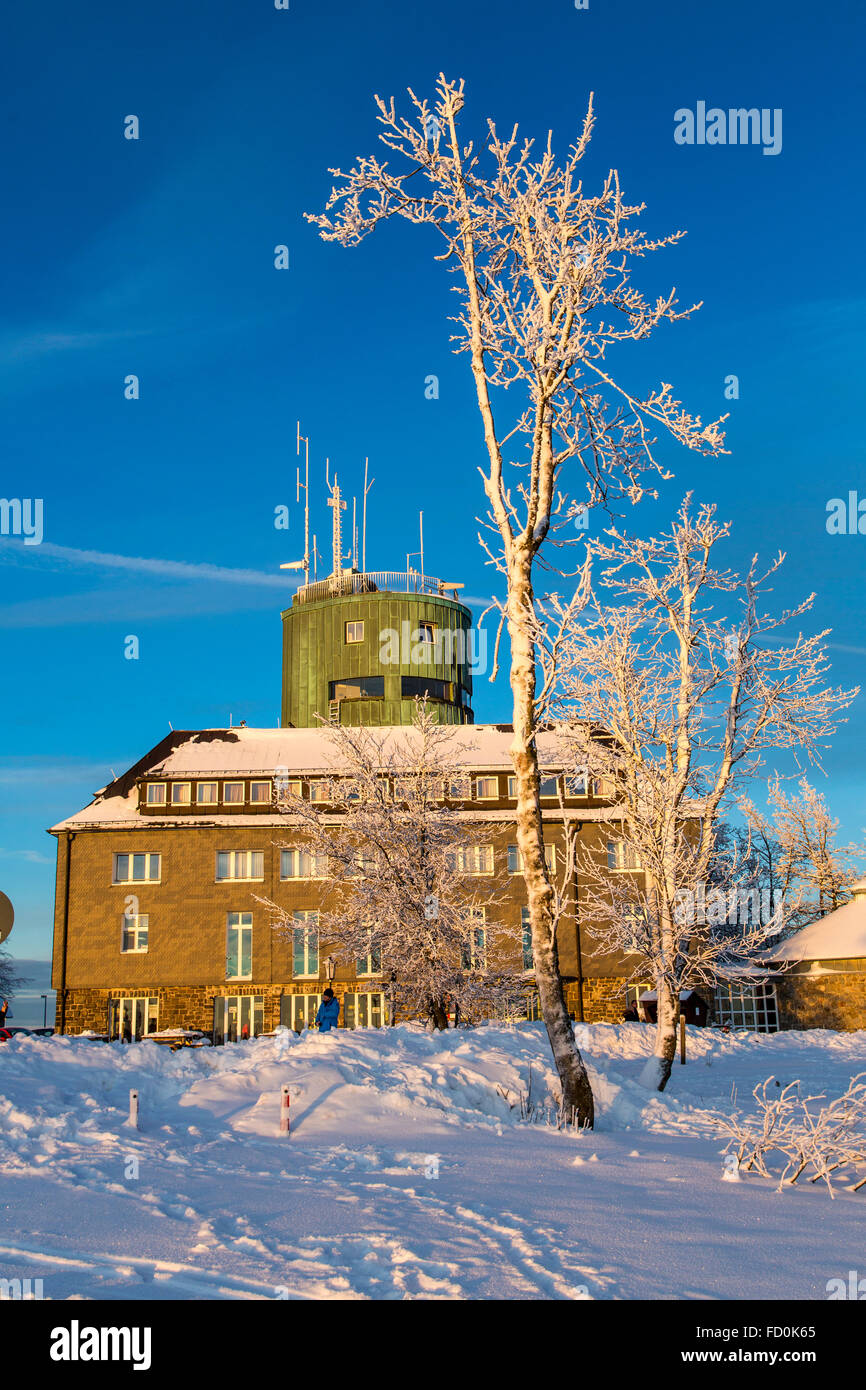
792	1133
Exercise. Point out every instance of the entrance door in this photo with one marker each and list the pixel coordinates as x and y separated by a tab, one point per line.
131	1018
237	1017
364	1010
298	1011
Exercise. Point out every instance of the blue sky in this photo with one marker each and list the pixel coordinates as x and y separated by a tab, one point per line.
155	257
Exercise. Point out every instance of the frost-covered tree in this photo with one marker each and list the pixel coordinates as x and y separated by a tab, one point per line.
10	981
405	886
798	837
692	685
543	273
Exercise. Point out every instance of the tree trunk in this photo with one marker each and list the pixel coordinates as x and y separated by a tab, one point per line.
577	1099
657	1069
437	1013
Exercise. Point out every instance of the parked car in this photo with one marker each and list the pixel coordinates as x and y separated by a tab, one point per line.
42	1032
13	1030
5	1034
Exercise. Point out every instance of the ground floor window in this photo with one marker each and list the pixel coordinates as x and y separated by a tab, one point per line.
365	1010
633	995
746	1006
298	1011
237	1017
131	1018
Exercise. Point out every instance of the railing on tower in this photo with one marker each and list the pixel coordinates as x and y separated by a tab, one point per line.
379	581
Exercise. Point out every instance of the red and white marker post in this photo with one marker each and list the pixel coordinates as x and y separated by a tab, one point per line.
285	1125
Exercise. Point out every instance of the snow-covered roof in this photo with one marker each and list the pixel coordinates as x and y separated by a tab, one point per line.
241	752
839	936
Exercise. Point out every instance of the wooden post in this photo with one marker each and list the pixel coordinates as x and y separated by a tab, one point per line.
285	1126
682	1040
133	1109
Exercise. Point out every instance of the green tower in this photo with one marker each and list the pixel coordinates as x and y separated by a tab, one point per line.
358	648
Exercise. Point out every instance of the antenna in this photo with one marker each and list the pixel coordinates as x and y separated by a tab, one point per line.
305	563
354	533
336	502
316	558
421	533
367	487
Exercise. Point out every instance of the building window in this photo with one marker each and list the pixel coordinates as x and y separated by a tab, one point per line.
512	787
458	789
181	793
233	865
302	863
132	1018
621	855
305	945
472	859
487	788
286	787
548	787
357	688
515	859
233	793
237	1017
133	934
747	1006
370	964
207	793
365	1010
429	687
354	632
239	946
474	952
576	784
298	1011
526	938
260	793
137	868
156	793
320	791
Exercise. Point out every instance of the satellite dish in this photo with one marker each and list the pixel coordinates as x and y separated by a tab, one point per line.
7	916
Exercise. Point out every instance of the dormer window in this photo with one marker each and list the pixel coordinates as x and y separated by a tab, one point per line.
181	793
233	793
155	795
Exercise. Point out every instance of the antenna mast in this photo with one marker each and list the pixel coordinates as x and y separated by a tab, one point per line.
306	501
336	502
367	487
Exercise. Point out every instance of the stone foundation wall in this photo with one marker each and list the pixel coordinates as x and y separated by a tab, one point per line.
603	998
835	1001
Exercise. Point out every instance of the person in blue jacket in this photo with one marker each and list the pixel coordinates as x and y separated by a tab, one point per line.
329	1011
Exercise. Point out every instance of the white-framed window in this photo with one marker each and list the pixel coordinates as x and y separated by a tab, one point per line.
133	934
364	865
512	787
260	793
473	859
132	1017
514	859
155	795
369	964
239	946
298	1011
302	863
459	788
363	1009
181	793
354	631
487	788
548	787
236	864
426	632
237	1017
207	793
233	793
474	954
137	868
320	791
576	784
305	945
621	855
526	938
746	1006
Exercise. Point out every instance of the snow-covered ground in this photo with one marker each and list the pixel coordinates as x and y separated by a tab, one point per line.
406	1175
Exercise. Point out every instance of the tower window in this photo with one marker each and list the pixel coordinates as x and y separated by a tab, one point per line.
354	632
357	688
428	686
426	632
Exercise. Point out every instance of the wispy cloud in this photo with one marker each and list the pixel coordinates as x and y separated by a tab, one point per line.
30	856
15	550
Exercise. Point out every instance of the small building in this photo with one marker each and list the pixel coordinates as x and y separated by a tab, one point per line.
820	971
